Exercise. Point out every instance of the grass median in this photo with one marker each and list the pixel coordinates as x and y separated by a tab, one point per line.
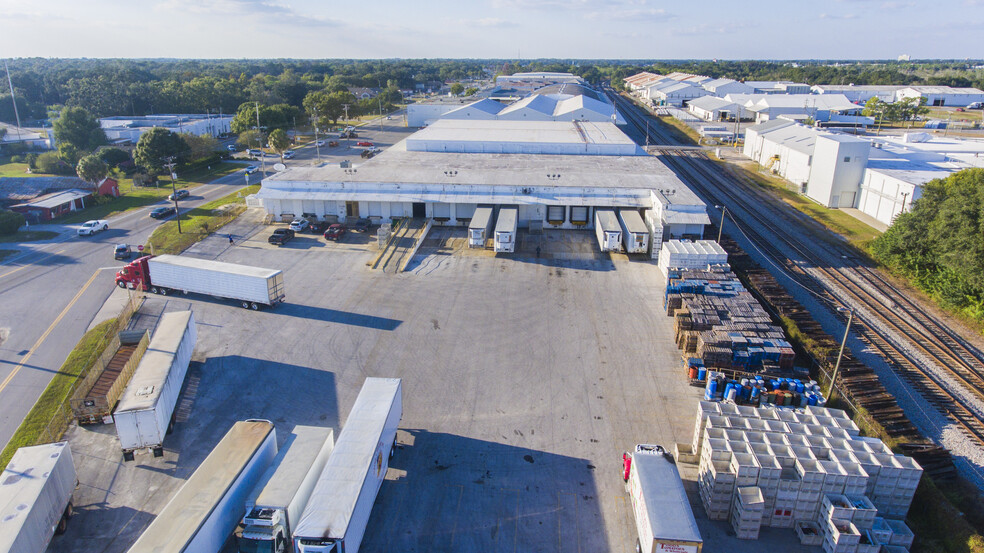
199	222
54	399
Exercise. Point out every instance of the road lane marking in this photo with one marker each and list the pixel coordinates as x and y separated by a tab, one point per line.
44	336
26	266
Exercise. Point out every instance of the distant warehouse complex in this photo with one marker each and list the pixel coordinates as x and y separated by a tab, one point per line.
557	173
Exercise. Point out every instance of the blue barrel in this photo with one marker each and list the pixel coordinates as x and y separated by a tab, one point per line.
701	373
799	387
755	394
812	399
730	392
773	385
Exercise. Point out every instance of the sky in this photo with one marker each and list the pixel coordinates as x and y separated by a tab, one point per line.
525	29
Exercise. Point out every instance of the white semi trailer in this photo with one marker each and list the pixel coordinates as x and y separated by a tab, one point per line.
275	505
635	233
480	227
336	516
202	516
608	230
36	497
505	229
664	520
146	411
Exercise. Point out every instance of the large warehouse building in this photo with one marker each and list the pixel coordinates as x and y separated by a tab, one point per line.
556	173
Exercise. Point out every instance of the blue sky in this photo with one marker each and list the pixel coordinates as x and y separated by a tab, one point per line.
766	29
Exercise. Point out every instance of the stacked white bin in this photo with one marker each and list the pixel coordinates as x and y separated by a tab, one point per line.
746	512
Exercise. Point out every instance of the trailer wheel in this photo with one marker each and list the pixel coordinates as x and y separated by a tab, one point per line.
392	450
69	510
163	291
245	305
155	290
62	526
253	306
638	546
127	456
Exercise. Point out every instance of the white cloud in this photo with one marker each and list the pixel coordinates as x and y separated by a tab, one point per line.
838	16
487	23
633	14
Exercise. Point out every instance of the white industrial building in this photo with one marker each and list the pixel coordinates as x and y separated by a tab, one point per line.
942	95
828	167
712	108
556	173
676	94
723	87
584	106
860	93
778	87
528	82
820	108
122	129
641	81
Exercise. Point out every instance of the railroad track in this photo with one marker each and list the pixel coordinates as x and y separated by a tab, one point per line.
913	326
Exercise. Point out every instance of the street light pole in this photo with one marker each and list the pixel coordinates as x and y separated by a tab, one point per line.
833	377
724	209
317	146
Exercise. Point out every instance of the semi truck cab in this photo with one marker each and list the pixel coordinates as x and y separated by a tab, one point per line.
306	545
134	274
264	532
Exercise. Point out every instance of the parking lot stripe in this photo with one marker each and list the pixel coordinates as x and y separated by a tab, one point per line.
44	336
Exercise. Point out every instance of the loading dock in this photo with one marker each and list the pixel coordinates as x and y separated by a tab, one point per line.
635	234
608	231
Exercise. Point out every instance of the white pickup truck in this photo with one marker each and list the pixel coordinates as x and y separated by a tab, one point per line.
89	228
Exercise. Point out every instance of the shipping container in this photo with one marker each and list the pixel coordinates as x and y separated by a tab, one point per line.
36	497
635	233
480	227
336	516
505	229
608	231
146	411
203	514
664	520
276	503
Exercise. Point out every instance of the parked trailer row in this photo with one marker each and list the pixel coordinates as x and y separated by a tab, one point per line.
336	516
145	413
204	512
505	230
608	230
480	227
164	274
635	233
36	497
275	505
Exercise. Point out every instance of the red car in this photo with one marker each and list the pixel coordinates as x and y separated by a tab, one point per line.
365	143
335	232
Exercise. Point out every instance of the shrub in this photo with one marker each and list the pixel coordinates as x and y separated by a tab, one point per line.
114	157
10	221
17	159
52	163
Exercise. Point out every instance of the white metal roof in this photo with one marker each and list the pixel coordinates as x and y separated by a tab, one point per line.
552	132
697	247
711	103
487	105
148	379
670	515
56	199
832	102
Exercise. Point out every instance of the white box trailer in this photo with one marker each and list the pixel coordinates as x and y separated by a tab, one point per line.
164	274
608	231
505	229
635	233
201	517
480	227
145	412
277	501
36	497
664	519
336	516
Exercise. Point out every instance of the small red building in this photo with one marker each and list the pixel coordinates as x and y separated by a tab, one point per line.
108	187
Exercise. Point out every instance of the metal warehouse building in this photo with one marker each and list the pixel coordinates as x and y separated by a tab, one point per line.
556	173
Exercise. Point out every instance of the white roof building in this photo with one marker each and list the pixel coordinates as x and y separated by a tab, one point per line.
123	129
712	108
722	87
537	107
523	137
942	95
860	93
640	81
778	87
529	82
676	94
816	106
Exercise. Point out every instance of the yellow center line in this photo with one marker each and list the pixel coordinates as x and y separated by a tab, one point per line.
25	266
44	336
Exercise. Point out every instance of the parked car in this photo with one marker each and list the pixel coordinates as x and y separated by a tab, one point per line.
349	128
232	148
289	154
122	251
89	228
362	225
975	105
367	154
319	143
281	236
255	152
353	134
960	109
179	194
335	232
365	144
317	227
163	212
299	225
333	144
251	169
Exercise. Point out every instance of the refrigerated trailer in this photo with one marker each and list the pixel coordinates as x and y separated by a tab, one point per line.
335	518
635	233
480	227
146	411
505	229
164	274
608	231
276	503
36	497
205	511
664	520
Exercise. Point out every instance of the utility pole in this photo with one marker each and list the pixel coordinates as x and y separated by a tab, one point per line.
904	196
724	209
174	190
379	100
317	147
13	99
259	138
833	376
345	107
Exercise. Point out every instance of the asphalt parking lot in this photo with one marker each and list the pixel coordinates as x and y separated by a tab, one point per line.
524	379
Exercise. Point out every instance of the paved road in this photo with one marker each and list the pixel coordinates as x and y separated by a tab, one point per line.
50	293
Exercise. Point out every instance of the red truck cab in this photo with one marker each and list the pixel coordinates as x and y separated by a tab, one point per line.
135	274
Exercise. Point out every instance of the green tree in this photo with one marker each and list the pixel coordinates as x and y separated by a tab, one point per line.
470	91
113	157
78	127
910	108
250	139
457	89
91	169
10	221
279	142
326	108
52	164
69	153
156	146
199	146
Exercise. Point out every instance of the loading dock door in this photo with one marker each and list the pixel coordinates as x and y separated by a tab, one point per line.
579	215
419	210
441	211
555	214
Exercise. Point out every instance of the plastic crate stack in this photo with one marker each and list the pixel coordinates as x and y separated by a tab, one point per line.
746	512
809	465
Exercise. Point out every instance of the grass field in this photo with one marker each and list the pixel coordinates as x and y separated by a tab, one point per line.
55	396
198	223
17	170
28	236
